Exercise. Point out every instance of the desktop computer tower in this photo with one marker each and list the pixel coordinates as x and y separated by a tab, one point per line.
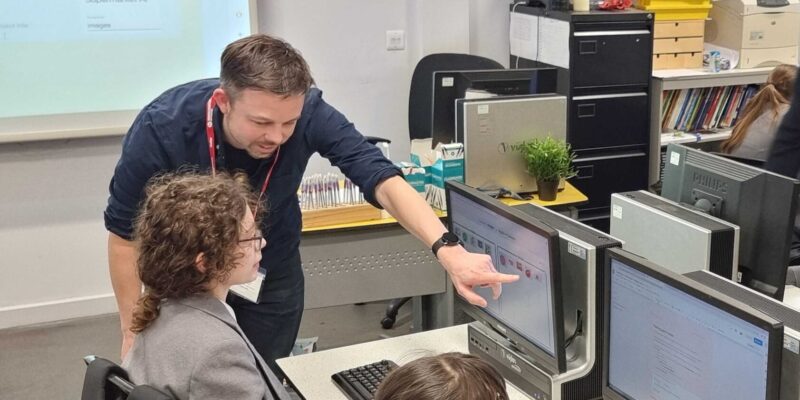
673	236
582	252
489	128
790	356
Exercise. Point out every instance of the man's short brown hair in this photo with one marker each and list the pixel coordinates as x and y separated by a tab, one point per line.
262	62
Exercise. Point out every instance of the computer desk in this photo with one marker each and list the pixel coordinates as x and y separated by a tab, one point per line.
311	373
378	260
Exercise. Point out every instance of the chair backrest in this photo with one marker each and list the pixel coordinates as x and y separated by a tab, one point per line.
105	380
420	105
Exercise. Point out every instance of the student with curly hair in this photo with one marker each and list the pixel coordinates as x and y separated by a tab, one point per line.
448	376
196	236
755	128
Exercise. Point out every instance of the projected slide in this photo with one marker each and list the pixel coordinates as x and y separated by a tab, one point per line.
61	57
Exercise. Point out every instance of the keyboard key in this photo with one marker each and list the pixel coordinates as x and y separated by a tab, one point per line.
361	383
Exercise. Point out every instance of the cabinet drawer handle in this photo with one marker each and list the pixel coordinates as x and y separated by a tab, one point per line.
587	47
585	172
586	110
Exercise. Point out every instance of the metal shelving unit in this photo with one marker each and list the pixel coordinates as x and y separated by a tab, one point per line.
673	79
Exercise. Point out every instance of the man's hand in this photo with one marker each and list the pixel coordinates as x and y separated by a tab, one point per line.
468	270
127	342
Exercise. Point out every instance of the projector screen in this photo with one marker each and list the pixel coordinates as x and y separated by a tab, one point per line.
77	68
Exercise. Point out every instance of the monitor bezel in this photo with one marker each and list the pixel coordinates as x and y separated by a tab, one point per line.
556	362
773	327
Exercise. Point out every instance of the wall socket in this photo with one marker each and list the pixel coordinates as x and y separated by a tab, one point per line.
395	40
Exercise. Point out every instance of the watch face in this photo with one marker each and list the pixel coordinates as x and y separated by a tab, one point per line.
449	238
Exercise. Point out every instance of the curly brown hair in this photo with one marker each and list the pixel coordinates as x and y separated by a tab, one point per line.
183	215
266	63
448	376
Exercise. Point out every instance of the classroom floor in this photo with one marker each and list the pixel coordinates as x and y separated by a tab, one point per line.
45	361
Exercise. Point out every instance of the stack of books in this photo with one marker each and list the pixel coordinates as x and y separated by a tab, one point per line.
703	109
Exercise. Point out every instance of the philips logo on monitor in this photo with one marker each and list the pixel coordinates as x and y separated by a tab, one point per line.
709	182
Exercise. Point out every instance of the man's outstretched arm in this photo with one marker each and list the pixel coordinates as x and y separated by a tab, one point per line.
467	270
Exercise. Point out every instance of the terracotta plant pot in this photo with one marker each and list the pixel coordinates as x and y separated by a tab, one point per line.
547	189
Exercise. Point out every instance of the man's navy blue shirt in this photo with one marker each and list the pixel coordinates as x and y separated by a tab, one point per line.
169	134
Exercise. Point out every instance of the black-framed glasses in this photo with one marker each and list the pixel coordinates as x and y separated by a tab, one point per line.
256	239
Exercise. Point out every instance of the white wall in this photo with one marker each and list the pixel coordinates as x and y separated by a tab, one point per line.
344	42
52	238
52	194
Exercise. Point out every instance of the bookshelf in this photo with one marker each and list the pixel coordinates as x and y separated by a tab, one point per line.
677	79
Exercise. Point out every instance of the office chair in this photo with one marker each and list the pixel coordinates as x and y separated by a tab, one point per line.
420	115
420	97
105	380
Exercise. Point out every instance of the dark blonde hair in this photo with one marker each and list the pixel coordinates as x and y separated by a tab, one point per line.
264	63
448	376
776	92
182	216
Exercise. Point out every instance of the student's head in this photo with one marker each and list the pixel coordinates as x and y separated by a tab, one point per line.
449	376
782	79
263	82
194	235
776	92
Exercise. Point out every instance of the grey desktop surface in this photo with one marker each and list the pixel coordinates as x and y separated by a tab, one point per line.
311	373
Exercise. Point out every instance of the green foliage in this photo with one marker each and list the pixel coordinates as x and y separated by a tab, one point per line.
546	158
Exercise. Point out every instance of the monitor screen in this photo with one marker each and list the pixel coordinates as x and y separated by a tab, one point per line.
448	86
73	65
670	338
762	203
521	245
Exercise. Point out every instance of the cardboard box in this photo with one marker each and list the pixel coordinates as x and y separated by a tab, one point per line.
449	165
414	175
423	156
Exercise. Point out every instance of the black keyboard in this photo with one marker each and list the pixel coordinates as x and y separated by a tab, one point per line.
362	382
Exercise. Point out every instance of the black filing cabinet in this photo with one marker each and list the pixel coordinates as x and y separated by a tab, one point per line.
606	79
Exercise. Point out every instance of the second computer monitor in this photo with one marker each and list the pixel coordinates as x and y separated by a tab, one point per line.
448	86
529	313
668	337
763	204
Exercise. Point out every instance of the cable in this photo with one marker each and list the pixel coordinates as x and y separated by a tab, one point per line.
513	10
578	330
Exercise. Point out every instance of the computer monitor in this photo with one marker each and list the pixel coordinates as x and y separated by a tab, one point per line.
448	86
529	312
668	337
762	203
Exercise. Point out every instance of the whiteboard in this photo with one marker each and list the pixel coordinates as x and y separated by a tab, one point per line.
82	68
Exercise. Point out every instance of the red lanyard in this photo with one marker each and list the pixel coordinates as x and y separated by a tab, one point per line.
212	148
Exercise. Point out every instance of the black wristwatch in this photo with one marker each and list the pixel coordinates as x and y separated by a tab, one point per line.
448	239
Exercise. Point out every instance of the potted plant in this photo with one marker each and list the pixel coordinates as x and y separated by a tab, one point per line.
548	160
